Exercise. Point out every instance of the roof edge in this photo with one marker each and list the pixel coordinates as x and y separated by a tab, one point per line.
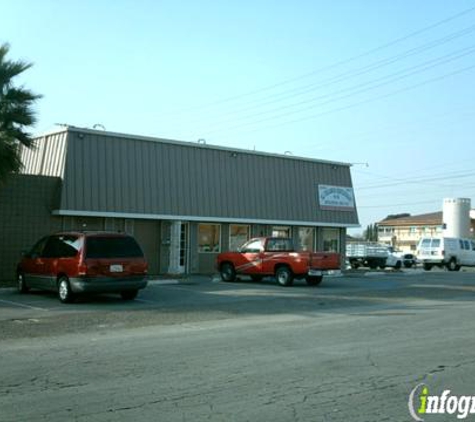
204	219
74	129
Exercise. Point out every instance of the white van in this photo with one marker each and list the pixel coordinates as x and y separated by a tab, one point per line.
451	252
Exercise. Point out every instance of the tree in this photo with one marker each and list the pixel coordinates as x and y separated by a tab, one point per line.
16	114
371	233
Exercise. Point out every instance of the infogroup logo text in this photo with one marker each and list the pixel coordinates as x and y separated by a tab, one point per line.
421	403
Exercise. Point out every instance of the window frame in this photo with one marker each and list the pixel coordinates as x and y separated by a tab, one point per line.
338	239
220	240
282	228
313	236
230	235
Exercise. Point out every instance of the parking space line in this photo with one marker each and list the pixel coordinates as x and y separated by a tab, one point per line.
22	305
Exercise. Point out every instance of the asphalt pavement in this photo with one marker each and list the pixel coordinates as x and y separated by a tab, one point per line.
197	349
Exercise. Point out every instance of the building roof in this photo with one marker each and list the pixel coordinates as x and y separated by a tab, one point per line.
107	174
429	219
203	145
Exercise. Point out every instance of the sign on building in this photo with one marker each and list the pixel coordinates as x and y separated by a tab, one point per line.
336	198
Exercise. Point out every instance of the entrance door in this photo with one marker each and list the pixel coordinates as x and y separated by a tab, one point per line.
147	233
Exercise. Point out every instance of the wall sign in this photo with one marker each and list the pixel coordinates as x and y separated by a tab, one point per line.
336	198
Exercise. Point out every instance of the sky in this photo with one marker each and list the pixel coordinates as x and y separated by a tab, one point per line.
387	86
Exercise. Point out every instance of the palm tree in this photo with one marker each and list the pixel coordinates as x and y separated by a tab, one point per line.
16	114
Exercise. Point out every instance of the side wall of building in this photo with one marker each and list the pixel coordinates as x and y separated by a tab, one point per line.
26	203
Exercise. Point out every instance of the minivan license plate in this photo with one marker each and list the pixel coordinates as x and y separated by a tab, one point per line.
116	268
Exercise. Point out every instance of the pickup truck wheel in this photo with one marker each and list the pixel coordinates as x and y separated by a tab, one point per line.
284	276
227	271
314	281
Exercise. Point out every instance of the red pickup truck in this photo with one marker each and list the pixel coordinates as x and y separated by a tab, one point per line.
276	256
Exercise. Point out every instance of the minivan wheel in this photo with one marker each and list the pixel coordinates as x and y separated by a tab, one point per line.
65	293
129	294
21	283
284	276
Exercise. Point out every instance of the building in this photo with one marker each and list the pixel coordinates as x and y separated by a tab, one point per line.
184	202
404	233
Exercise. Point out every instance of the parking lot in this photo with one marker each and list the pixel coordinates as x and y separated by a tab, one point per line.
197	348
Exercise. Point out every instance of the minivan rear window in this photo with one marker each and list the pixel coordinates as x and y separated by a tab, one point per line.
436	243
112	247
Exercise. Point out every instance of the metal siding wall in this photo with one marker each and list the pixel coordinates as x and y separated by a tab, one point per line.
112	174
47	157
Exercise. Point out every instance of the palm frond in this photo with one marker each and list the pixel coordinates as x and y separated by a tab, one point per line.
16	113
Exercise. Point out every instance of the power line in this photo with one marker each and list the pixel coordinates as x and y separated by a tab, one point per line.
399	205
396	126
296	92
350	106
421	180
355	90
334	65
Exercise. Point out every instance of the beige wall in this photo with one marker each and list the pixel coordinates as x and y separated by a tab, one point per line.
406	238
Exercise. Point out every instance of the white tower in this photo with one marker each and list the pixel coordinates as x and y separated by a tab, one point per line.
456	217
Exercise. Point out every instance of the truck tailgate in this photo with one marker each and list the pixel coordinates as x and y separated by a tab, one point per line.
325	260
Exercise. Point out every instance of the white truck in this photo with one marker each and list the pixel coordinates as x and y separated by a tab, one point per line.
372	255
449	252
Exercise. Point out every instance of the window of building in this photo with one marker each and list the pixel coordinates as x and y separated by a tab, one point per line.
209	238
306	238
331	240
280	231
279	245
238	235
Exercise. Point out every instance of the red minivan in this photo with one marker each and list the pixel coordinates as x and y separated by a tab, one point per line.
71	263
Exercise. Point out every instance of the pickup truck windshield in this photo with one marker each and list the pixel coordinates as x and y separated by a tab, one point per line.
253	246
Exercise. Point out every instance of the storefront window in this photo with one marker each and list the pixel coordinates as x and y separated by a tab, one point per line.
331	240
280	231
306	235
238	235
209	238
